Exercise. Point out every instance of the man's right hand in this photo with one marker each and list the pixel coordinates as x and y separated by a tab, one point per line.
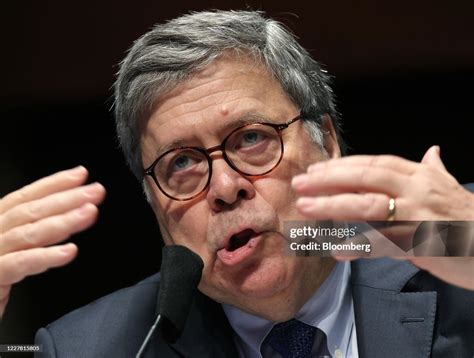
39	215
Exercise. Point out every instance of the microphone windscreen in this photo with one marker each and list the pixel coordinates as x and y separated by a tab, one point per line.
181	271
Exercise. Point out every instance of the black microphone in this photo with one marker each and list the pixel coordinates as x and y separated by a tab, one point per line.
181	271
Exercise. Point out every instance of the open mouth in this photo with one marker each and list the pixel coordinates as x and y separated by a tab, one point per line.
240	239
239	247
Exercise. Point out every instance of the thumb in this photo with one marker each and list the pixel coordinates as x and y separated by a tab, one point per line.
432	157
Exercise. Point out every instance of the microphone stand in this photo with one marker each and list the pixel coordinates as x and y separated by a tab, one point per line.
144	345
181	271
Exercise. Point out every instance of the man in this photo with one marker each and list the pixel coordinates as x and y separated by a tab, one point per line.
232	128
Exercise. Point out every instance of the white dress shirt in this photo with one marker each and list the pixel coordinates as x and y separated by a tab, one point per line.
330	309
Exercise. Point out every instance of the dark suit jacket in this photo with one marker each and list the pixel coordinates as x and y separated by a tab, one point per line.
400	311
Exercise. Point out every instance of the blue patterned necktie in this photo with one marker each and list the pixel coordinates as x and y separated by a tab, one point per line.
295	339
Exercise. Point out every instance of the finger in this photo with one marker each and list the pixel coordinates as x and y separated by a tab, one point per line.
57	182
432	157
341	179
355	207
48	231
53	204
392	162
4	294
345	258
15	266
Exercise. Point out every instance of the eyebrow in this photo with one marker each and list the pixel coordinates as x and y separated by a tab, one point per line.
248	118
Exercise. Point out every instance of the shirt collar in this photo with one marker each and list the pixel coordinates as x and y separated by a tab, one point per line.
329	309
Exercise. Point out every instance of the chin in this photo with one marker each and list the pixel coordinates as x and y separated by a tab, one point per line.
268	279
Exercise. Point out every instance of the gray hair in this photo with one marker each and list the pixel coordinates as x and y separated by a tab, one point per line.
171	52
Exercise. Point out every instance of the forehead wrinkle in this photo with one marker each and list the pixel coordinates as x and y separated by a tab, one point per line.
187	89
231	105
200	101
217	98
190	89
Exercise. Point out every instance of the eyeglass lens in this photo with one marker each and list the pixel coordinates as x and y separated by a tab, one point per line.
253	150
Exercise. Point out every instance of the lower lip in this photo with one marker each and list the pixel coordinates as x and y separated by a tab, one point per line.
235	257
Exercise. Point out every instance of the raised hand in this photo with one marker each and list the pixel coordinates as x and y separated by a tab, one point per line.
359	188
35	218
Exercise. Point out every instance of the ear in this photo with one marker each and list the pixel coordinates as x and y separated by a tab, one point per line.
331	145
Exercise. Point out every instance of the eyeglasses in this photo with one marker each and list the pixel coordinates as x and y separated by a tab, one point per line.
252	150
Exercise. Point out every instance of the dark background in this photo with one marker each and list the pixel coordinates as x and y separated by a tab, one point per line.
403	77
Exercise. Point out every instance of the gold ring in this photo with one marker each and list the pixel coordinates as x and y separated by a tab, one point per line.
391	209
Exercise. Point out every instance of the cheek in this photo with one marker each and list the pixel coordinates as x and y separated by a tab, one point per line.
186	225
278	193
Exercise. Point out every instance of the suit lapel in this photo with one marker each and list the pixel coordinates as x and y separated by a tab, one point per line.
207	332
389	322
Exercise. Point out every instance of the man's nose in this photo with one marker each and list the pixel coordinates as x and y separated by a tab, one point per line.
227	186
